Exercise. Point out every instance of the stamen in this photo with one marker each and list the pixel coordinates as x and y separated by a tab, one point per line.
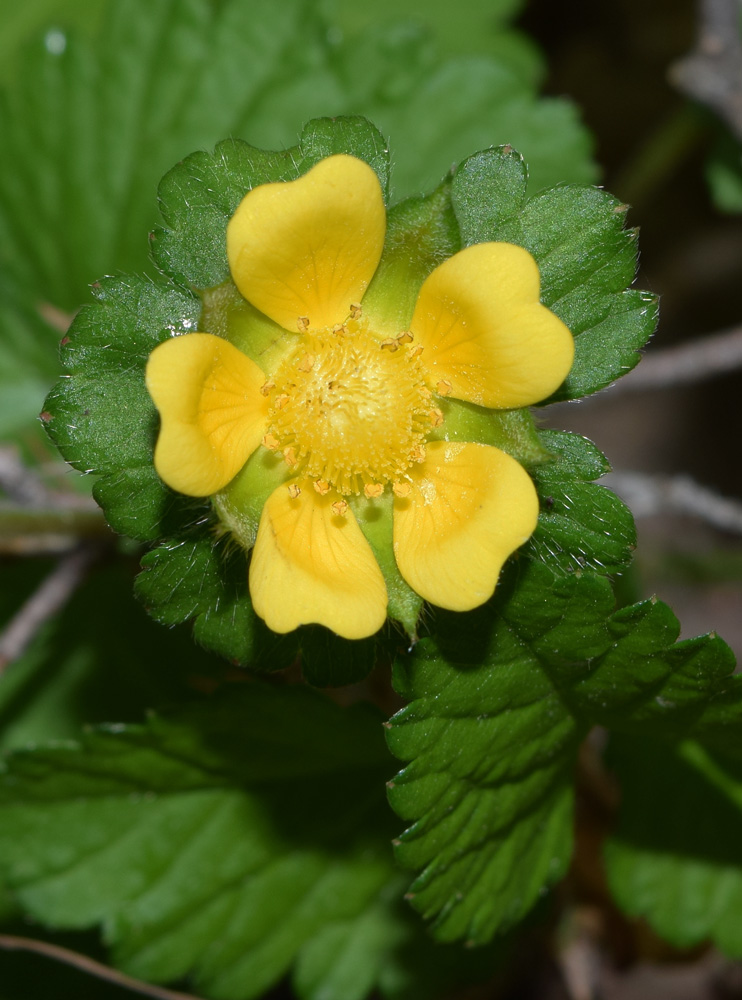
340	329
340	507
444	387
373	490
355	310
289	456
267	388
406	337
436	417
280	401
401	490
294	490
390	344
321	486
307	363
270	441
303	324
417	454
415	352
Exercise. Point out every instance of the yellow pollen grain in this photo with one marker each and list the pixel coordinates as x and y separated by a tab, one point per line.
390	344
270	441
444	387
267	388
294	490
340	507
353	416
436	417
302	324
401	490
355	310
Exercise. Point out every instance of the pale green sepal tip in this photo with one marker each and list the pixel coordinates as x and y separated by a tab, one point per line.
240	504
375	520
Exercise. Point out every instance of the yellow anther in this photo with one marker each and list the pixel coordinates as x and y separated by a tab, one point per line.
303	324
281	401
373	490
340	329
401	490
415	352
294	490
267	388
340	507
436	417
270	441
289	456
406	337
355	310
390	344
307	363
321	486
417	454
444	387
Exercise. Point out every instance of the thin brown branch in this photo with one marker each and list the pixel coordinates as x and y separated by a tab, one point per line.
86	964
706	357
52	594
712	73
650	495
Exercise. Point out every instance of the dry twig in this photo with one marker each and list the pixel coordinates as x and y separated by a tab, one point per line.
52	594
648	495
706	357
89	965
712	73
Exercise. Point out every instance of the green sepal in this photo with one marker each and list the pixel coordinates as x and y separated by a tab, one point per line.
421	234
375	519
199	196
512	431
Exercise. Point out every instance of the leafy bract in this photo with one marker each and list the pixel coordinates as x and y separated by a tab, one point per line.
675	858
104	422
497	708
216	842
585	255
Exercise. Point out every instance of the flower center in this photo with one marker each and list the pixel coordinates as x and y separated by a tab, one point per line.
351	411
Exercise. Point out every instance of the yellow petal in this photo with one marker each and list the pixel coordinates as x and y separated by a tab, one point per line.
309	247
310	565
471	506
486	337
212	411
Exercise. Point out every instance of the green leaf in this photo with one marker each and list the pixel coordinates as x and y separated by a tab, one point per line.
498	703
287	836
675	858
585	256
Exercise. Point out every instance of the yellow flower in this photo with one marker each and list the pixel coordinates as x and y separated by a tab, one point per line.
347	409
